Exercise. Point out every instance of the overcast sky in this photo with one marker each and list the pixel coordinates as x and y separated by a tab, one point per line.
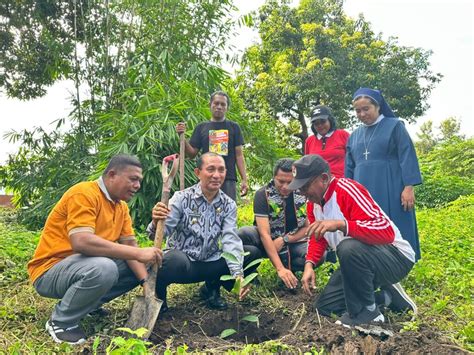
443	26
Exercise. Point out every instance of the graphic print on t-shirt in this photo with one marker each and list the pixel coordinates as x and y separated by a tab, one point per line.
219	141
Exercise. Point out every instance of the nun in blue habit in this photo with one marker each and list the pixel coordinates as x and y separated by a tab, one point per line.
381	156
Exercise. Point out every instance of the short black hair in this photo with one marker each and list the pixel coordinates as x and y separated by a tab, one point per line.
284	165
121	161
200	159
220	93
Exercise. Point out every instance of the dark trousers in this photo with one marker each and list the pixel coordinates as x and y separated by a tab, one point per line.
363	268
230	189
178	268
292	257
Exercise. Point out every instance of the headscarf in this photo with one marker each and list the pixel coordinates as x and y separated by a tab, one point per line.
376	95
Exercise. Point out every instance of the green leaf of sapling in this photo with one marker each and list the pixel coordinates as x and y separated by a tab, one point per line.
227	332
248	279
230	257
254	262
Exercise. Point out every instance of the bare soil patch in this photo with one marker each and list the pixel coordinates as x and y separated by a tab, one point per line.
287	323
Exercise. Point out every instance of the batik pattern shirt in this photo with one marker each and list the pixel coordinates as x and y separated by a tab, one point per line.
201	229
269	203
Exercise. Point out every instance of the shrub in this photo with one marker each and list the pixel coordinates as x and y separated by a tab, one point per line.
245	213
437	190
448	172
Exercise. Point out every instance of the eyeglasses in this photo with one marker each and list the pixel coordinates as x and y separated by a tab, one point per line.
323	141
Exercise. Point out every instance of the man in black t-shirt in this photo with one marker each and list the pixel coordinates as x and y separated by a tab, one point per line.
280	224
223	137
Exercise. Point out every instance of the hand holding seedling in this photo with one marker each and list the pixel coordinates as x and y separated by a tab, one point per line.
244	291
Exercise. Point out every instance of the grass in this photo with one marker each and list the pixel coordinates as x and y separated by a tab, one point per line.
442	281
442	284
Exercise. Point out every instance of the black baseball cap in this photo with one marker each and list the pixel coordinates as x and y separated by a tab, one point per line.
321	112
306	168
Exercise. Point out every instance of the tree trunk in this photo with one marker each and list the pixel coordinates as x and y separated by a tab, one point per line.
304	130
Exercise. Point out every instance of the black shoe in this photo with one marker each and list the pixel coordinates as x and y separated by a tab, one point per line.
216	301
161	294
401	302
71	335
100	312
163	310
204	292
364	317
345	320
213	298
164	307
381	299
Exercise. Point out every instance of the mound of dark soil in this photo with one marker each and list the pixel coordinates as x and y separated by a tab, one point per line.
287	319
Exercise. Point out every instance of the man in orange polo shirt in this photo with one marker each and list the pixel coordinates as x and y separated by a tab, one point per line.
87	254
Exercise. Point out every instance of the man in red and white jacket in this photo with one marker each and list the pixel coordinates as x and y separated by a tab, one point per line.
371	251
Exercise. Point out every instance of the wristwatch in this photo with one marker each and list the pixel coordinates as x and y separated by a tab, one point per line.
286	240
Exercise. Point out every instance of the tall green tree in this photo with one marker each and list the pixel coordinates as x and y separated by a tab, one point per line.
448	172
122	52
92	42
426	138
446	161
315	54
449	129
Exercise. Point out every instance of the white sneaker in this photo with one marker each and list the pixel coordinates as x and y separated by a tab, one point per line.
401	302
364	317
72	335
